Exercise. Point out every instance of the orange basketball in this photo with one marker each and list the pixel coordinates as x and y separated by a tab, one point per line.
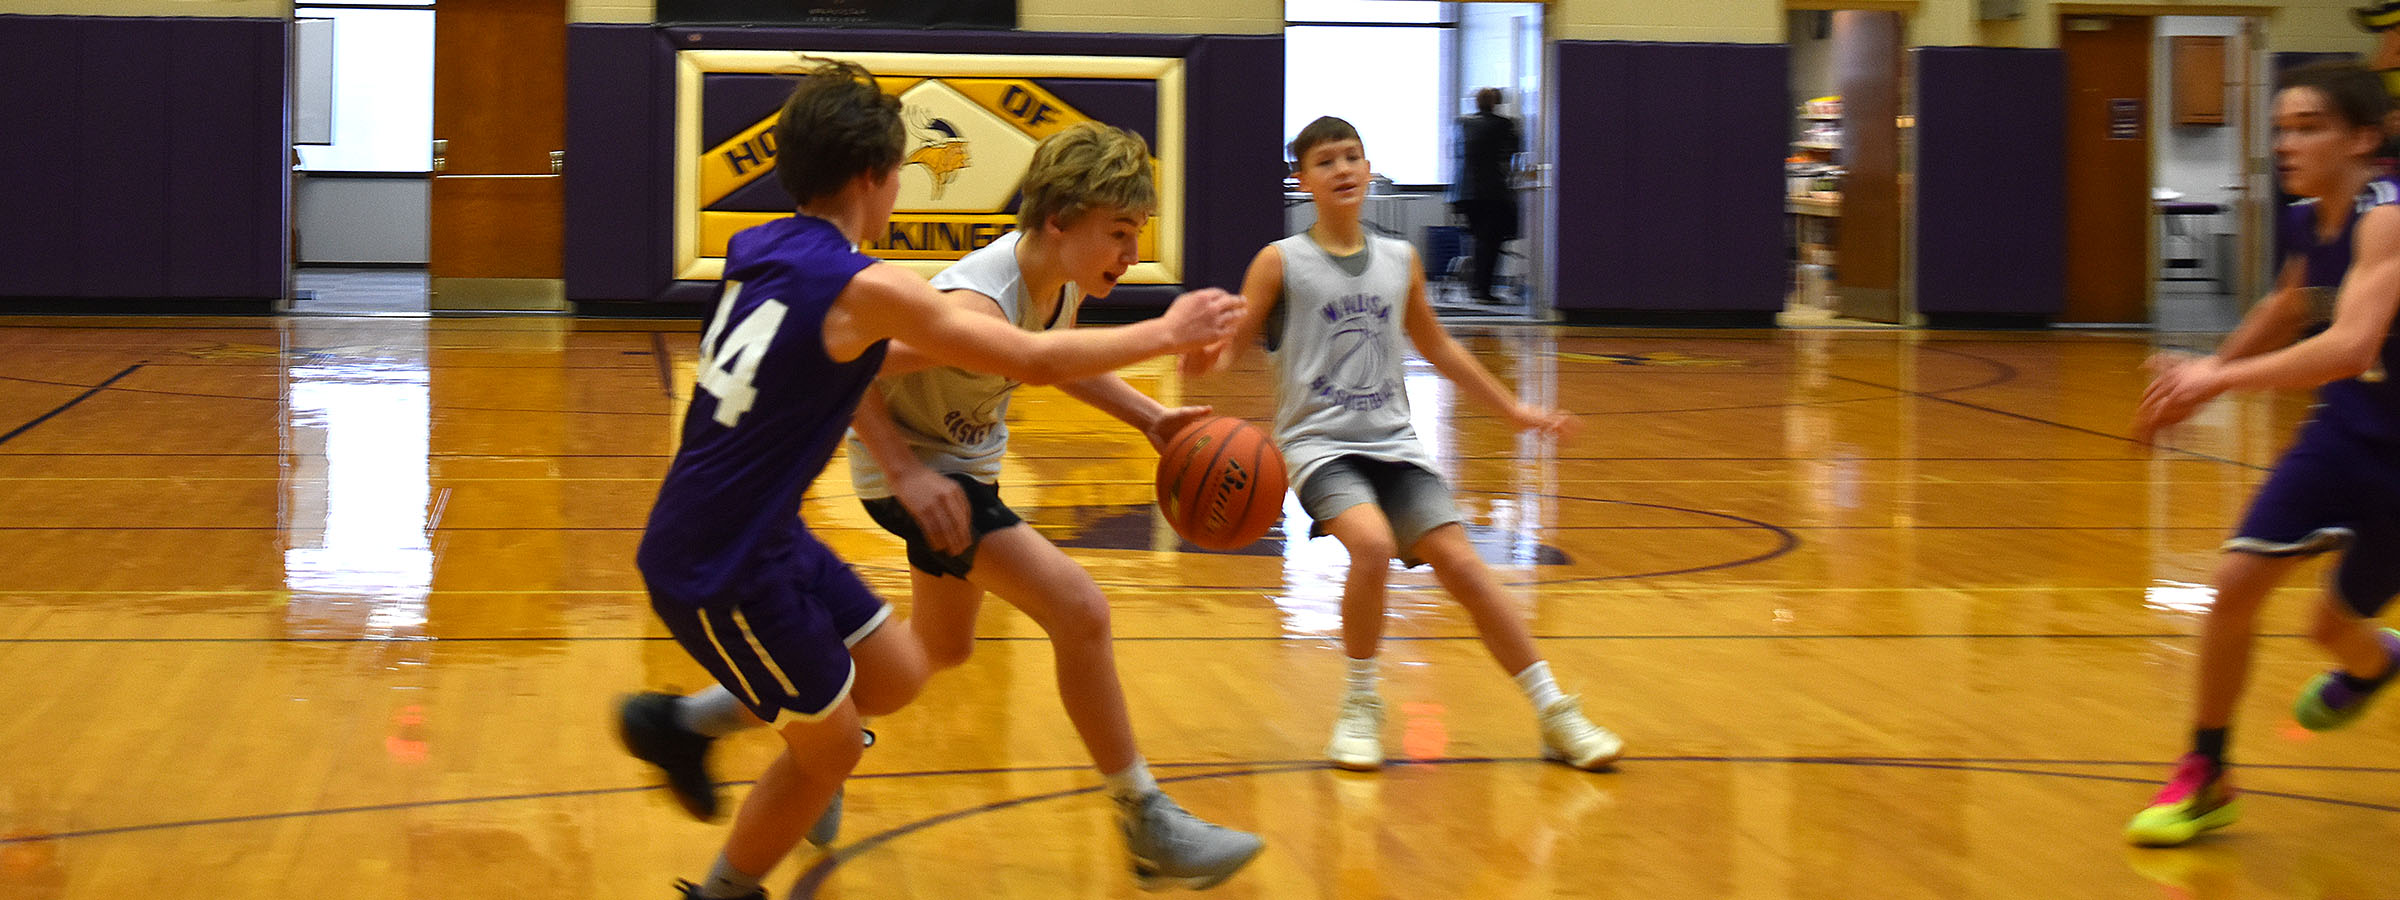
1220	483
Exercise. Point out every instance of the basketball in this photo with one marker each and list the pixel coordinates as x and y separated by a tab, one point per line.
1220	483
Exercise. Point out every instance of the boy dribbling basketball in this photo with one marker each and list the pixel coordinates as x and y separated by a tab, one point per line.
1337	305
744	586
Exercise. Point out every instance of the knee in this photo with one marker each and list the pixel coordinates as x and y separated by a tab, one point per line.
941	655
888	695
1079	616
1372	553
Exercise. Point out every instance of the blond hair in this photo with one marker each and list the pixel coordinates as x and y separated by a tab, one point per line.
1086	167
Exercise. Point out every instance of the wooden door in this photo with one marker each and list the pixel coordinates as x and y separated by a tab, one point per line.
499	113
1868	251
2108	246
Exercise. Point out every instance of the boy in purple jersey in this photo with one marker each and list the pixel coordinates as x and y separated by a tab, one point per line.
2338	488
800	332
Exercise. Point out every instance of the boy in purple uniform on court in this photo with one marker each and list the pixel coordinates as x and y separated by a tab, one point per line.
2338	488
799	332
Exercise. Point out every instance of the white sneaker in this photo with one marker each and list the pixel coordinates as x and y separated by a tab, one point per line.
1357	742
1570	738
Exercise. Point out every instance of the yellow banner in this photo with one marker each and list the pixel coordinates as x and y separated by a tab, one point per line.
936	236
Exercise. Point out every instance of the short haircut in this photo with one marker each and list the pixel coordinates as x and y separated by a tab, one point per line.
1488	99
837	125
1086	167
1325	130
2355	92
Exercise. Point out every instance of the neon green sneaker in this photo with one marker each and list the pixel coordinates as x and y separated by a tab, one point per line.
2199	798
2327	703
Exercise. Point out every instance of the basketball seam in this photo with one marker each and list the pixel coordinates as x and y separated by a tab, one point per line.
1181	447
1211	468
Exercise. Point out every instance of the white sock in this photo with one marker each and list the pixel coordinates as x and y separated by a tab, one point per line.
1133	783
1538	687
715	712
1362	675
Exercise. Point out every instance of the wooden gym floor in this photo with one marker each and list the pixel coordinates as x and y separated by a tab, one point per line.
339	607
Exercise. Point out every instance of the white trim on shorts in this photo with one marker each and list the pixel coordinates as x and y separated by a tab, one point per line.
869	628
2321	540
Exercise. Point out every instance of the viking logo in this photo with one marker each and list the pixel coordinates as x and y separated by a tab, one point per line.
942	154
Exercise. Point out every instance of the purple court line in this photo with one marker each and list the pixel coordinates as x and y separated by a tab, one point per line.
79	398
814	877
1169	638
1261	767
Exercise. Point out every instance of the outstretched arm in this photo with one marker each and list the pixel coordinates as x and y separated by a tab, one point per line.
1110	394
2362	317
1451	359
888	302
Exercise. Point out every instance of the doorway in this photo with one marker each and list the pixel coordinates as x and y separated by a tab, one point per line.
426	167
362	116
1412	125
1846	183
2203	197
1501	46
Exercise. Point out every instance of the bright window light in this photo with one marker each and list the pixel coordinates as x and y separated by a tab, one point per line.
1425	11
1385	80
382	91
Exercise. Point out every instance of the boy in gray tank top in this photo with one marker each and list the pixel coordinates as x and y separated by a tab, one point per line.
925	451
1340	307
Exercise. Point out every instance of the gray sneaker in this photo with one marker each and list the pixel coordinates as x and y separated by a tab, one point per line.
1172	848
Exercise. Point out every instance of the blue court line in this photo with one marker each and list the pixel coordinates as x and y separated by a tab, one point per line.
79	398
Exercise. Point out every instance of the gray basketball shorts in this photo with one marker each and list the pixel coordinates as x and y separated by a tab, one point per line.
1414	500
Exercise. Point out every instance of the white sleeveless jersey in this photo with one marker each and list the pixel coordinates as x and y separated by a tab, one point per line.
1339	370
955	420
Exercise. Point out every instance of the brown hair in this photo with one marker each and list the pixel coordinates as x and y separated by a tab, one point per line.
1088	166
2354	92
1325	130
837	124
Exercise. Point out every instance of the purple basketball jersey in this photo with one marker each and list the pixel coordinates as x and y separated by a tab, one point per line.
766	414
2369	405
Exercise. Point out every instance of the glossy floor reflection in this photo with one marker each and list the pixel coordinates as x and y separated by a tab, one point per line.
324	606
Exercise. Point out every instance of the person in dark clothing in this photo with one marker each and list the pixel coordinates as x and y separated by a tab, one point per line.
1488	146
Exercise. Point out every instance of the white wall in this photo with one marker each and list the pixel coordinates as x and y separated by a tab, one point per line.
361	220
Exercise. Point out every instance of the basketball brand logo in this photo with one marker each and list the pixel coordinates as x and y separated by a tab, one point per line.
1230	484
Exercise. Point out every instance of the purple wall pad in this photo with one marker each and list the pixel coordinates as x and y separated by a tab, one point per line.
620	175
181	122
1669	177
1234	143
1991	182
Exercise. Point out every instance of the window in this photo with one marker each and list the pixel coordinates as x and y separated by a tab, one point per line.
381	64
1387	67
